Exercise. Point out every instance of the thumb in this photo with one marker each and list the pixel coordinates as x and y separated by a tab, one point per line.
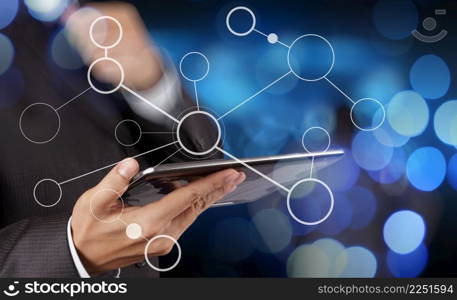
114	184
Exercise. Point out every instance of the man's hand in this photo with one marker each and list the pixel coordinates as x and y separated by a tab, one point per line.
99	217
139	59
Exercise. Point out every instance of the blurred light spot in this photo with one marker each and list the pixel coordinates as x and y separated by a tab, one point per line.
408	265
381	83
333	175
404	231
426	168
395	19
308	261
387	136
368	153
452	172
46	10
393	171
408	113
430	76
8	11
231	240
63	54
341	217
445	122
364	206
356	262
332	248
274	228
6	53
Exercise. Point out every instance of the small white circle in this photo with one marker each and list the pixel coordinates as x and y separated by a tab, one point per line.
272	38
116	87
316	128
119	197
218	132
227	21
22	130
47	180
147	257
92	36
133	231
204	58
305	36
133	143
363	100
318	182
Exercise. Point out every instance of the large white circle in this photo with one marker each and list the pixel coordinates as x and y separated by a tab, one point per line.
22	130
58	198
136	141
119	197
368	99
116	87
318	182
147	257
227	21
207	66
305	36
92	36
315	128
218	133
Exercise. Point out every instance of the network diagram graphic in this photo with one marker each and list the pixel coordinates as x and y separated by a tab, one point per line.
134	230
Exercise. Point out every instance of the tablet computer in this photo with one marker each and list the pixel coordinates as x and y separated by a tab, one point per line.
151	184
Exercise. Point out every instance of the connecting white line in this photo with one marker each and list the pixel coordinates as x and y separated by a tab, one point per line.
149	103
196	95
113	164
253	170
344	94
74	98
312	166
266	35
253	96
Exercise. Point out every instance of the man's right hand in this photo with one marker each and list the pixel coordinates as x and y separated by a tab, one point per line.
99	217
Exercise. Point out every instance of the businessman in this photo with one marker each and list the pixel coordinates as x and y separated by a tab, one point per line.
69	239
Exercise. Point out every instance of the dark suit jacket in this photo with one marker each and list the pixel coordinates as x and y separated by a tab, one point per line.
33	239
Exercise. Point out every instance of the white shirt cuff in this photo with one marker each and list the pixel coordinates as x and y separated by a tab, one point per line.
74	254
165	94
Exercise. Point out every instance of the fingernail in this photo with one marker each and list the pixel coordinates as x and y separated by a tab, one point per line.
230	179
240	178
127	168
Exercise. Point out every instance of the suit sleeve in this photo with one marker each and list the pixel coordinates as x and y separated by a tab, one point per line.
36	247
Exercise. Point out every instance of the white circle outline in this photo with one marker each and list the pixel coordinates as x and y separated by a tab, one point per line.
39	142
207	66
147	257
116	87
227	21
312	35
118	217
135	142
91	29
47	205
368	99
312	128
332	201
218	133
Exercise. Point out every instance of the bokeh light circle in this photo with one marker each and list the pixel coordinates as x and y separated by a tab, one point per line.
445	122
408	113
452	171
426	168
368	153
404	231
430	76
8	11
356	262
46	10
308	261
408	265
6	53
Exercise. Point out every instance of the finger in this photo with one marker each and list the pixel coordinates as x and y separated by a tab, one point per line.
113	185
199	194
